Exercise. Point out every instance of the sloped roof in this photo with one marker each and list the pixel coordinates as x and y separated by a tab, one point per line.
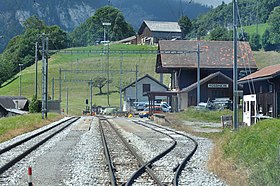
8	101
146	76
264	73
204	80
213	54
160	26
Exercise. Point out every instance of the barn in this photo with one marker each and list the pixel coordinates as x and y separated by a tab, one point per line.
153	31
181	59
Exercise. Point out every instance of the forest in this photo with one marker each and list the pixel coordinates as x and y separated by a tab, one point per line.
214	25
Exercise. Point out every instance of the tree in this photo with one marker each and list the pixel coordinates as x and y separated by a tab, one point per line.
185	25
219	34
92	30
274	23
255	42
21	48
266	43
100	82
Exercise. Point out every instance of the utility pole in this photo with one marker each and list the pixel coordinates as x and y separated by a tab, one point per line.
52	88
136	83
60	84
46	76
43	76
121	66
67	100
198	73
20	65
235	88
36	70
90	97
107	42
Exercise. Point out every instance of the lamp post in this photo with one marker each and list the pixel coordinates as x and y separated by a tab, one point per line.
20	65
107	41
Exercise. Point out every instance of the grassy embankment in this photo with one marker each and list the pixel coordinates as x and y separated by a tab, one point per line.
250	156
11	127
78	92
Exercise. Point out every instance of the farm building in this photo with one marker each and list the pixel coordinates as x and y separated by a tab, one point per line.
153	31
180	59
13	105
136	90
216	85
261	91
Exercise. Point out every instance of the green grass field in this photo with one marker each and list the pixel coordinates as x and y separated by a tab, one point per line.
13	126
256	148
78	92
253	29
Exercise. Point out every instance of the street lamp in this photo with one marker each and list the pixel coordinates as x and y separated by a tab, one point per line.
105	41
20	65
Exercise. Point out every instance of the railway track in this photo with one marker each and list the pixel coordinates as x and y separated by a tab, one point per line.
15	153
167	165
122	160
170	163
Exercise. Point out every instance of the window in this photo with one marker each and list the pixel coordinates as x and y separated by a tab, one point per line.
261	90
146	88
260	108
270	88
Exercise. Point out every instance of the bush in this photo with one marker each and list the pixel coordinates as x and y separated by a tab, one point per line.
35	105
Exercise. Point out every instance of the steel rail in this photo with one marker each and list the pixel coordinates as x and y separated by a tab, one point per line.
140	171
107	155
139	159
30	137
188	157
28	151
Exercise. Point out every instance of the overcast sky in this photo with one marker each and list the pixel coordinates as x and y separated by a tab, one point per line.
214	3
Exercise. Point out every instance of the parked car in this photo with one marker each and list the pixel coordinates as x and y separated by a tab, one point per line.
145	112
222	103
109	111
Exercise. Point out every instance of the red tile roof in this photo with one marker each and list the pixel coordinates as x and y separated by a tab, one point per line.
267	72
214	54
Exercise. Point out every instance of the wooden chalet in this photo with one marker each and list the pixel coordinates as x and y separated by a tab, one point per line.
180	59
264	87
153	31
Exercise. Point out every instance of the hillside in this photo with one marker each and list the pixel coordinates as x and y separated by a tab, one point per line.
68	14
79	91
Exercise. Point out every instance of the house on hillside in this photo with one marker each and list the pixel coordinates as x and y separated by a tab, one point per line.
136	91
261	91
180	60
153	31
13	105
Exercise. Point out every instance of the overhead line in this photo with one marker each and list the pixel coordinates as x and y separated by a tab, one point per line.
124	51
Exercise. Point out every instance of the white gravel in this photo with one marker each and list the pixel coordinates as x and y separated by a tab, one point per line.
84	164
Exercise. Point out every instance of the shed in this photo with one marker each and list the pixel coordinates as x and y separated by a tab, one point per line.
153	31
13	105
136	91
216	85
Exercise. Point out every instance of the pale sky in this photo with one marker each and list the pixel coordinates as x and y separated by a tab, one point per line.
214	3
